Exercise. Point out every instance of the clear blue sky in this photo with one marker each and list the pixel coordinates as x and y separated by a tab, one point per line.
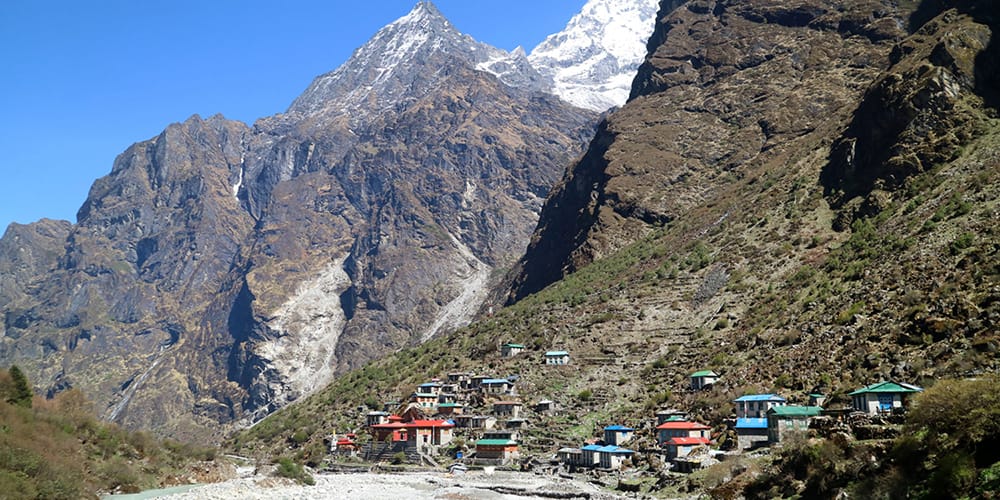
82	80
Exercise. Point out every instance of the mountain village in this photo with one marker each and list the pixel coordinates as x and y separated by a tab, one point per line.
464	419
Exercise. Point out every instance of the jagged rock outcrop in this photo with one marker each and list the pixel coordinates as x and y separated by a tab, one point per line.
726	86
220	271
930	103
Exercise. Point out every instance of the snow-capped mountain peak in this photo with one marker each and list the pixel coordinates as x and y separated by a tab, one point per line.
591	63
387	68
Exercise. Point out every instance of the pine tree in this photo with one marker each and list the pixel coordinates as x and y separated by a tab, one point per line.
22	393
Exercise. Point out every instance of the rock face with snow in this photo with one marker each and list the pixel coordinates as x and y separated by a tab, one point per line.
220	271
592	62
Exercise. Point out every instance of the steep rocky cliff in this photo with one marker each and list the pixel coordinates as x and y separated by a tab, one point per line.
800	195
220	271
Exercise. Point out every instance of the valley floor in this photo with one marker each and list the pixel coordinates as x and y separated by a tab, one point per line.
423	485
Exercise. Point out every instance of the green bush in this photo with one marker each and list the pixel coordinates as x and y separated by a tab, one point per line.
585	395
288	468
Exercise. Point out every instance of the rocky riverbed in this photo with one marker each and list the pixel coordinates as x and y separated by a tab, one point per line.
423	485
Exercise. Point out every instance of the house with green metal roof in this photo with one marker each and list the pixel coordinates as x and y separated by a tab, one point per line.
497	447
496	450
510	350
883	397
703	379
785	420
557	358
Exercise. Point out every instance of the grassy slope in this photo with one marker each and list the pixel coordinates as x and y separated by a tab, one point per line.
56	449
755	285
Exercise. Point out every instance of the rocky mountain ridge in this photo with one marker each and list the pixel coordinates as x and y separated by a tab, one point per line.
800	196
220	271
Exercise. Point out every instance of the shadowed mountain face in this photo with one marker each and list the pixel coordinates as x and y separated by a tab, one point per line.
220	271
801	193
726	86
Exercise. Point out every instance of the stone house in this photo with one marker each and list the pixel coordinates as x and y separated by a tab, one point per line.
570	456
425	400
510	409
783	420
497	386
430	432
500	450
671	415
429	388
546	407
450	409
751	432
591	455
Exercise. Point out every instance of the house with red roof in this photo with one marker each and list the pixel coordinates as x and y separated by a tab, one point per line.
430	432
680	447
682	429
420	433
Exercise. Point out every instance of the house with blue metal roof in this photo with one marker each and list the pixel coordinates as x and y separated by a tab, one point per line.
756	405
613	457
591	455
617	434
751	432
497	386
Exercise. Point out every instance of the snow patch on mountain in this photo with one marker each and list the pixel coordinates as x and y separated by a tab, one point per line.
591	63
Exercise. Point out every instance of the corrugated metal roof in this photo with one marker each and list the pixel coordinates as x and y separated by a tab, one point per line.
516	346
887	387
591	447
795	411
683	425
751	423
618	428
495	381
429	423
557	353
760	397
686	441
615	450
496	442
705	373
